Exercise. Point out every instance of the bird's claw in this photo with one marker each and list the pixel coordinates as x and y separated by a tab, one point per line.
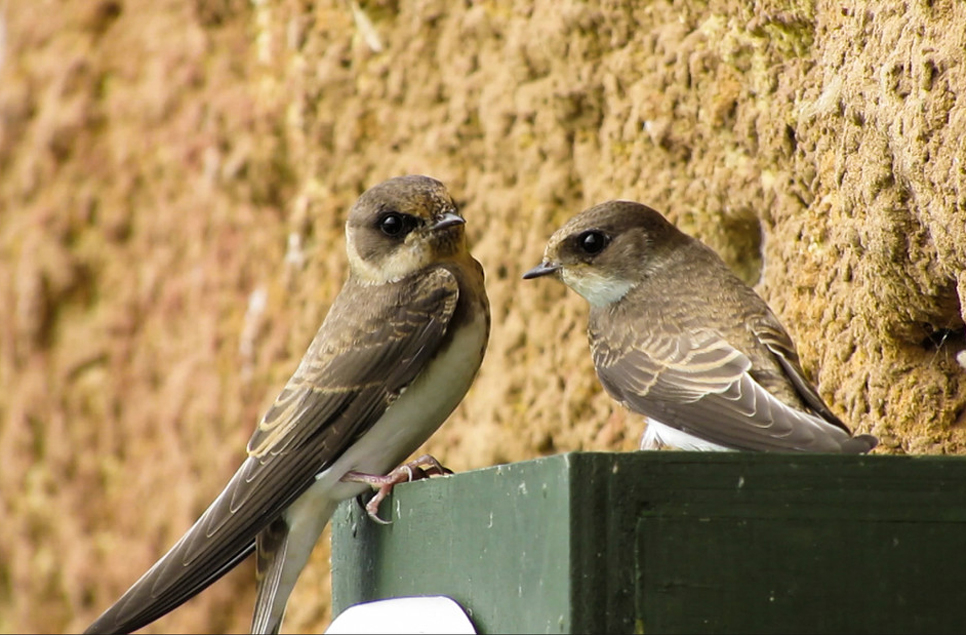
423	467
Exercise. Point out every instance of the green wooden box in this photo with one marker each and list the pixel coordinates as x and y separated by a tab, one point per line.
674	542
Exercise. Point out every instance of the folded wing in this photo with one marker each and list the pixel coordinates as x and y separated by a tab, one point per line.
700	384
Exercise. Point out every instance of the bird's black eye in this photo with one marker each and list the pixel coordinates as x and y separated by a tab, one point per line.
592	242
392	224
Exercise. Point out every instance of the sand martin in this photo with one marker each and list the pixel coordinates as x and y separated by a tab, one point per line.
399	348
677	337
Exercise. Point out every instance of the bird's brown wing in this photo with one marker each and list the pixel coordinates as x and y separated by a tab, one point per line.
374	342
770	333
699	383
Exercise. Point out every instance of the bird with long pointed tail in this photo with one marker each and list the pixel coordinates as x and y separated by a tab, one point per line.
395	355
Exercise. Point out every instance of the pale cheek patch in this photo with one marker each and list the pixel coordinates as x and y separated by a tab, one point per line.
367	272
402	261
409	258
596	289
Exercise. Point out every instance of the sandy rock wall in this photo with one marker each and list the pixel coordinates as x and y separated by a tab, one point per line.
174	177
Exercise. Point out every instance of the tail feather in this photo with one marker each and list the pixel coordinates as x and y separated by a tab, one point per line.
282	550
271	548
860	444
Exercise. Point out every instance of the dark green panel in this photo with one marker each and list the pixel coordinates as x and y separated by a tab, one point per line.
675	542
471	538
764	575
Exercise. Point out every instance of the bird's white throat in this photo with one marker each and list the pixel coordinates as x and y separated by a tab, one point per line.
402	261
599	290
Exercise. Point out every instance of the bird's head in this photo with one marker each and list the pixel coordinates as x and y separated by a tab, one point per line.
401	226
603	252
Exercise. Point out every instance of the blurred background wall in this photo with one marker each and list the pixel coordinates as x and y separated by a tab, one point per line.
175	174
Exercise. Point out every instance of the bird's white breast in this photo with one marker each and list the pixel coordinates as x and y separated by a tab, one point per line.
406	424
413	417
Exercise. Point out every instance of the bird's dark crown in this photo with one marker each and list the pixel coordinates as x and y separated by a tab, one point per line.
614	236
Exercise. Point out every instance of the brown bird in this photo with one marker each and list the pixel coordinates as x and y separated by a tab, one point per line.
399	348
677	337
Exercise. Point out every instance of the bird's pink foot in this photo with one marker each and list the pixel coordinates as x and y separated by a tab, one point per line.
423	467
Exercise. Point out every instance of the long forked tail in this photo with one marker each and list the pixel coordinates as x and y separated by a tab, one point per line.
282	550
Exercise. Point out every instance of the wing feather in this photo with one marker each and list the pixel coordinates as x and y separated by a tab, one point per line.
699	383
770	333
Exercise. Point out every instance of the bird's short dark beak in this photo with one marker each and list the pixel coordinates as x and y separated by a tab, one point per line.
447	220
543	269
